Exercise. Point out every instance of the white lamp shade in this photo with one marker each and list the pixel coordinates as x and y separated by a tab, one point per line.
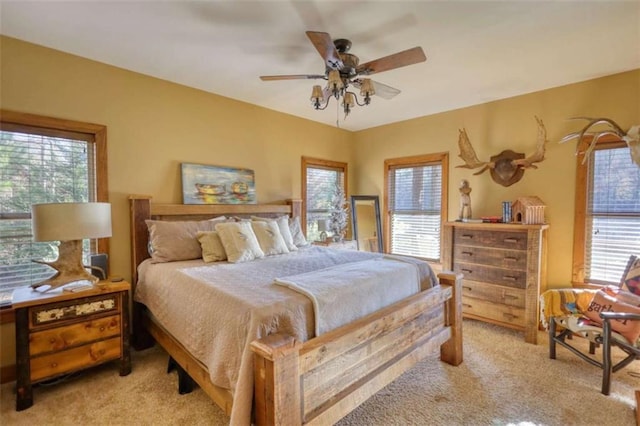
70	221
322	225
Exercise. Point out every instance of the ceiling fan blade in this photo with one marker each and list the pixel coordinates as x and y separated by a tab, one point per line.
397	60
382	90
291	77
324	45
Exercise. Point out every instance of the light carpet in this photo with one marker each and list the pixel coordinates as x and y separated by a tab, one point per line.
502	381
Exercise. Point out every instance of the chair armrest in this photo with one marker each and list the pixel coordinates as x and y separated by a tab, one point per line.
619	316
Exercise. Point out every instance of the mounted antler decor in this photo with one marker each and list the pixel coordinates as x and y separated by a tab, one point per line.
632	137
507	167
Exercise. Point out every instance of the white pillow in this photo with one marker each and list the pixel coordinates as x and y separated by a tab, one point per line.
269	237
212	249
296	232
283	225
239	241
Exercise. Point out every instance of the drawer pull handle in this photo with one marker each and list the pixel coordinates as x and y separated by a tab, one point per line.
467	271
466	236
510	240
467	253
466	287
511	259
464	305
52	340
102	328
510	296
510	278
54	364
510	316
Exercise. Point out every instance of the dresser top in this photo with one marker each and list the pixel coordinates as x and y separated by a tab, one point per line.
496	226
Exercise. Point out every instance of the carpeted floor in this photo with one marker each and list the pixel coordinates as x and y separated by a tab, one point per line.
503	381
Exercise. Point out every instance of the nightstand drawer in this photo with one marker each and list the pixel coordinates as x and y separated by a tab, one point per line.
511	259
75	359
508	277
493	239
62	338
55	313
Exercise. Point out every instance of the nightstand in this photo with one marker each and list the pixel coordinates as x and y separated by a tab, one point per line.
60	332
345	245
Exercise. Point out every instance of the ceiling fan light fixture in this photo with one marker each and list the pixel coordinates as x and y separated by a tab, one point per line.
348	102
367	90
335	83
317	97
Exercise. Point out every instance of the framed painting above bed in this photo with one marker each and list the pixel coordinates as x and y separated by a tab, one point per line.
204	184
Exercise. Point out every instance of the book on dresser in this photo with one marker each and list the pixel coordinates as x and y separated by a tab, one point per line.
504	267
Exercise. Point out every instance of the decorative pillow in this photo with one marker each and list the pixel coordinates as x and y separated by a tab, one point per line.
602	302
269	237
296	232
622	295
212	249
631	277
176	240
283	225
239	241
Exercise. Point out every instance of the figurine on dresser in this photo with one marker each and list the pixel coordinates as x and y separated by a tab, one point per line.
465	200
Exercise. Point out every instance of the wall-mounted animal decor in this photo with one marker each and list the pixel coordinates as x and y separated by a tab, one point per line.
507	167
632	137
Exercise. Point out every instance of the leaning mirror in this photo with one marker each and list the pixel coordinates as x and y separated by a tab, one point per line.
365	217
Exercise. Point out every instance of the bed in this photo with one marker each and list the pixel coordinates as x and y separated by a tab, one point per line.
295	377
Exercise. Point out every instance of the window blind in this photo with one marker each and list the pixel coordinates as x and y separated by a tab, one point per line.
36	168
613	214
321	186
415	209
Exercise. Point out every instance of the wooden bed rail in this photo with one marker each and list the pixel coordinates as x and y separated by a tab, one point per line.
322	380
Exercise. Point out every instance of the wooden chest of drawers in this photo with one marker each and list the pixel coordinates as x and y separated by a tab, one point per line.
62	332
504	268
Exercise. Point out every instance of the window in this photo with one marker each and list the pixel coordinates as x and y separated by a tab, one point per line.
416	204
607	218
44	160
319	180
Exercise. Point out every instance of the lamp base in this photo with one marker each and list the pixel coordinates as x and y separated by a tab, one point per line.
69	266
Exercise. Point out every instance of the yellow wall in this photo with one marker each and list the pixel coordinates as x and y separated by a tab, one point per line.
154	125
508	124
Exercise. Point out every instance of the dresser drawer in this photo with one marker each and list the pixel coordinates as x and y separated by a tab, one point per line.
511	315
494	293
65	337
75	358
492	239
510	259
54	314
507	277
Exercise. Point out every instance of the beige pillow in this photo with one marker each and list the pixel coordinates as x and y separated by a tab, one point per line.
269	237
283	225
239	241
176	240
212	249
296	232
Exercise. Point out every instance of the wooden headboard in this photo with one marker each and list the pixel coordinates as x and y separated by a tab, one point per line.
142	209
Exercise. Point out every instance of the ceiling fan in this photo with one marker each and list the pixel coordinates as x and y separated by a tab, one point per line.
343	69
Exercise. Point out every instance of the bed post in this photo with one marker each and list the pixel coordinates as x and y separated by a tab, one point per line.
451	351
140	210
296	207
277	393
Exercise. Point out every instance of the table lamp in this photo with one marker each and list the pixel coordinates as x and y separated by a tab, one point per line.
69	223
322	227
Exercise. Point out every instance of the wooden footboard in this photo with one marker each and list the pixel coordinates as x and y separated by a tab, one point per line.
322	380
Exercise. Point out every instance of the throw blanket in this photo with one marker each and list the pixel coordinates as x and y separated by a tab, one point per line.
344	293
564	302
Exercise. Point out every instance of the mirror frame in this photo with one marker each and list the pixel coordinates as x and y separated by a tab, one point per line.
354	220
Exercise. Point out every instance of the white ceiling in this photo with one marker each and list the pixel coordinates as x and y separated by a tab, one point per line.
477	51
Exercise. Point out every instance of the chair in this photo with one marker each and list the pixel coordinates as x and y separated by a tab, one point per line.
609	317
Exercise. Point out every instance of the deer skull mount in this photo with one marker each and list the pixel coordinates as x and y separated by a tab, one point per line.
507	167
631	137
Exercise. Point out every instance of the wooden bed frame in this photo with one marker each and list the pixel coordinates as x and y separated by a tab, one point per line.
323	379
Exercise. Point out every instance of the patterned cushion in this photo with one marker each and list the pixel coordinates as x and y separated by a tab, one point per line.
603	302
239	241
631	277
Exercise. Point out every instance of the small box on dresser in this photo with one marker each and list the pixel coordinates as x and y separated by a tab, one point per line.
504	268
60	332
